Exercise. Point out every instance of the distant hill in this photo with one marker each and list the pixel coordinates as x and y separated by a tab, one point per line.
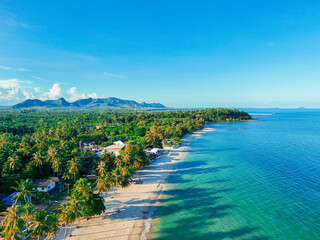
88	103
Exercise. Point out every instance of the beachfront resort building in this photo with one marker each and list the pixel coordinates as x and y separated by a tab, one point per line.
120	142
115	148
153	153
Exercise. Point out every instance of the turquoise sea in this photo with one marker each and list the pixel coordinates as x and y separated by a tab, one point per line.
257	180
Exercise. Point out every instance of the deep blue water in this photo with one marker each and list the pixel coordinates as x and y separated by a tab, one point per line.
256	180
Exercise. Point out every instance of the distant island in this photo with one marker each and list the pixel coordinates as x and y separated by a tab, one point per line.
88	103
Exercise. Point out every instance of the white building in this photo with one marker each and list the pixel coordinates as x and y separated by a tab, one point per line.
45	185
115	148
120	142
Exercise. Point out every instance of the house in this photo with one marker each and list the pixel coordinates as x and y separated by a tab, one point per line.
155	150
10	199
60	183
152	153
115	148
120	142
99	127
44	185
47	185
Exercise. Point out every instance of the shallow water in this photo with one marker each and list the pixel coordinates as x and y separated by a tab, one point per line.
254	180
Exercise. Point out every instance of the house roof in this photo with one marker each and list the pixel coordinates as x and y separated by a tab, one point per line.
9	200
122	141
115	147
46	182
43	182
56	179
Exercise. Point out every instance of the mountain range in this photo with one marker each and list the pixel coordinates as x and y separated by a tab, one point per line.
88	103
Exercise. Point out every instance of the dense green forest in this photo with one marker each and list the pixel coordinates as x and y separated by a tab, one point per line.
39	144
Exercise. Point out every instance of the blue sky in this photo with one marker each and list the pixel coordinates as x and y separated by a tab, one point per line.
180	53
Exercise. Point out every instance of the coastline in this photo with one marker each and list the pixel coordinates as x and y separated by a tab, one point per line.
138	202
151	222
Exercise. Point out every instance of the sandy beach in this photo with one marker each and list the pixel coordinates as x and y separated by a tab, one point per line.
136	203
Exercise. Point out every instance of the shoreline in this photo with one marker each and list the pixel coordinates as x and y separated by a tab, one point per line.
150	222
138	202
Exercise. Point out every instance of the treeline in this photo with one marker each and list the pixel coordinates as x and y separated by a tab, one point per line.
39	144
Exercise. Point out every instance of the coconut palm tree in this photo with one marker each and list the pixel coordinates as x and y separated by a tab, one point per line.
117	179
74	167
51	154
53	221
104	183
102	168
14	163
118	162
24	191
82	189
66	216
52	158
37	160
55	165
40	225
74	206
13	223
27	214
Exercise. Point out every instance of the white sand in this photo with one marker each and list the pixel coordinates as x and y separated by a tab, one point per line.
136	203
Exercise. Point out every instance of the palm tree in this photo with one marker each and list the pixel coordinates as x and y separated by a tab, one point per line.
52	153
12	223
27	215
117	179
104	183
82	188
70	212
74	167
55	165
37	160
101	168
66	216
52	158
14	163
40	224
53	221
24	191
118	161
75	209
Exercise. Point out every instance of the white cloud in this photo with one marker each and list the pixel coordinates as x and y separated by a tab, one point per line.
14	23
11	89
15	69
75	95
22	69
28	95
10	94
5	68
93	95
38	78
15	90
54	93
37	89
114	75
11	83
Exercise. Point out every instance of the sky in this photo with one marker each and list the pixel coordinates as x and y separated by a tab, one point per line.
200	53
